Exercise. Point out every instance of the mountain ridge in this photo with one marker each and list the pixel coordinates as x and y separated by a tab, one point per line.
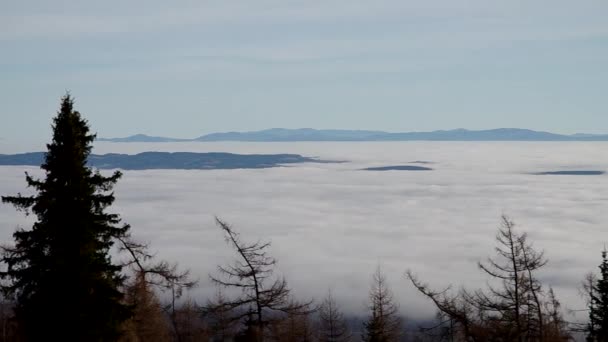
310	134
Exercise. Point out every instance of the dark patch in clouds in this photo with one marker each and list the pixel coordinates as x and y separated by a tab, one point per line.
397	168
571	173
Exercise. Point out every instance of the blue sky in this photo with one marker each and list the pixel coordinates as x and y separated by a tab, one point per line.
186	68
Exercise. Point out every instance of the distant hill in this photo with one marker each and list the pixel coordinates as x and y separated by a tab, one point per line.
142	138
500	134
309	134
302	134
175	160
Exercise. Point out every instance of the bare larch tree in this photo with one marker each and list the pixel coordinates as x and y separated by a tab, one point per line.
263	296
384	323
332	325
150	273
515	303
514	307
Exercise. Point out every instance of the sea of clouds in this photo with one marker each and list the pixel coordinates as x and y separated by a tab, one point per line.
331	224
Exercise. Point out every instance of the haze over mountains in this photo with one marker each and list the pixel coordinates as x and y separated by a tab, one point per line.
309	134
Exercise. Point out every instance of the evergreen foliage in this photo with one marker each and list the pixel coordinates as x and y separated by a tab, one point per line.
59	272
598	307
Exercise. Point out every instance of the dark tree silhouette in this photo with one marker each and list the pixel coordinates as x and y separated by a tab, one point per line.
517	300
59	272
250	274
515	309
384	323
332	326
598	306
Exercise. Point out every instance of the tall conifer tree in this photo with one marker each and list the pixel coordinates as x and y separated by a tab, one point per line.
598	307
59	272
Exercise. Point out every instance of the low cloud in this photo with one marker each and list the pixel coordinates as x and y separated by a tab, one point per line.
331	225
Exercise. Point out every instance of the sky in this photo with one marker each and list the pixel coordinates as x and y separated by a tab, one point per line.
331	225
186	68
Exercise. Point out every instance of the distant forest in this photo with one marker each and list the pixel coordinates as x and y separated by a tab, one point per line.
60	281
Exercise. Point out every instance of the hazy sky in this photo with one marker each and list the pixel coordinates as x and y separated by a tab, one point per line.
185	68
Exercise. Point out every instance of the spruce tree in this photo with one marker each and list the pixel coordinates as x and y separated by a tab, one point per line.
598	307
59	272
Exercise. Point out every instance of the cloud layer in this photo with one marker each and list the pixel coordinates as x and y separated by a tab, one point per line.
331	224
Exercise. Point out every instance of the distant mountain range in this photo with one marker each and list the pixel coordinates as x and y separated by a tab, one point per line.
143	138
175	160
309	134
